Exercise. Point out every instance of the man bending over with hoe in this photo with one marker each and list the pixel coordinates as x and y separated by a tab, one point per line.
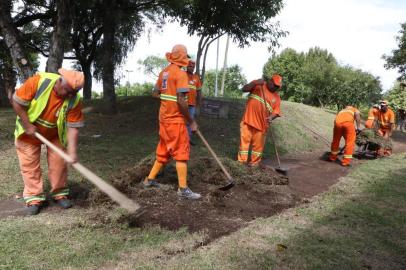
262	107
172	87
47	104
344	127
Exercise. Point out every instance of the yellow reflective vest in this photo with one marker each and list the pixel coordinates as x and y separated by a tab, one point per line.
40	101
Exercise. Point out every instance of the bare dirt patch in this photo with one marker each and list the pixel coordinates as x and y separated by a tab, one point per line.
259	192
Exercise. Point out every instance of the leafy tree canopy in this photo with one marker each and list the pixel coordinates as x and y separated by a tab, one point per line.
398	57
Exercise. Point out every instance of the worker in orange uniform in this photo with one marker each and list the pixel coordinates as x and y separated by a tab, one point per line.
344	127
386	120
49	104
195	93
372	116
262	107
172	88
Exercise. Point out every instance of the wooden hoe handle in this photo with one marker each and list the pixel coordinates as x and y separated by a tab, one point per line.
111	191
214	155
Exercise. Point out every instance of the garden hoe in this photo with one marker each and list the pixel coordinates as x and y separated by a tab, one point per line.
279	169
231	181
132	207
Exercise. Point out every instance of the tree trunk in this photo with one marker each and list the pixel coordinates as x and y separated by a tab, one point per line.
10	81
12	40
87	88
109	94
59	36
3	93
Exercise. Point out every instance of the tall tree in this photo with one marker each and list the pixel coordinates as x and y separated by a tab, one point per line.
398	57
13	41
315	78
109	30
235	79
59	37
152	65
243	20
86	40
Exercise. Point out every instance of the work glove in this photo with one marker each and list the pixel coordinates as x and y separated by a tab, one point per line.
357	131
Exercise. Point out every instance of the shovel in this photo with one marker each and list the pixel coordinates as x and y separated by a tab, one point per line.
126	203
231	181
279	169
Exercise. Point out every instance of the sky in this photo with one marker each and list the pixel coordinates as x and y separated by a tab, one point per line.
356	32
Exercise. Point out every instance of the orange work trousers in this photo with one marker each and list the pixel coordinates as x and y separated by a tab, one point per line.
29	156
384	152
346	130
251	136
173	142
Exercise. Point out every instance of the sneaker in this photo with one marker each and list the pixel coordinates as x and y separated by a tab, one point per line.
64	202
187	193
33	209
150	183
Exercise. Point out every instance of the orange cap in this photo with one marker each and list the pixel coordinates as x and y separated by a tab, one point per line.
75	79
178	55
277	80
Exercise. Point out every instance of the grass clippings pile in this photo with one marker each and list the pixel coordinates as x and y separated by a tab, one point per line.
372	136
260	192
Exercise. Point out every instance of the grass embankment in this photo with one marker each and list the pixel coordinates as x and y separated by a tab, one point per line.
108	145
358	224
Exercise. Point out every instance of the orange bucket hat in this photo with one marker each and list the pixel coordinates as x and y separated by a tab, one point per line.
178	56
277	80
75	79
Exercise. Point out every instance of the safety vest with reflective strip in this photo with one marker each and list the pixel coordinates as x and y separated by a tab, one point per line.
260	99
40	101
170	97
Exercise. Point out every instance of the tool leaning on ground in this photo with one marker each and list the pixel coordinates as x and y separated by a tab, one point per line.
231	181
281	170
126	203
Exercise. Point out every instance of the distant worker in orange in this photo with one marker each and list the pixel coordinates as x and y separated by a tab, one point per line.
194	95
372	117
386	120
344	127
172	88
49	104
262	107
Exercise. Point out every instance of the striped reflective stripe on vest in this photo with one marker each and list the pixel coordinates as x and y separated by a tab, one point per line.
191	86
169	97
347	156
260	99
42	88
45	123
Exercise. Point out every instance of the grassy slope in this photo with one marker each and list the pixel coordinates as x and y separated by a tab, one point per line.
72	239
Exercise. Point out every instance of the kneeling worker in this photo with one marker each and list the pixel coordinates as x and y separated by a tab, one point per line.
344	127
47	103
